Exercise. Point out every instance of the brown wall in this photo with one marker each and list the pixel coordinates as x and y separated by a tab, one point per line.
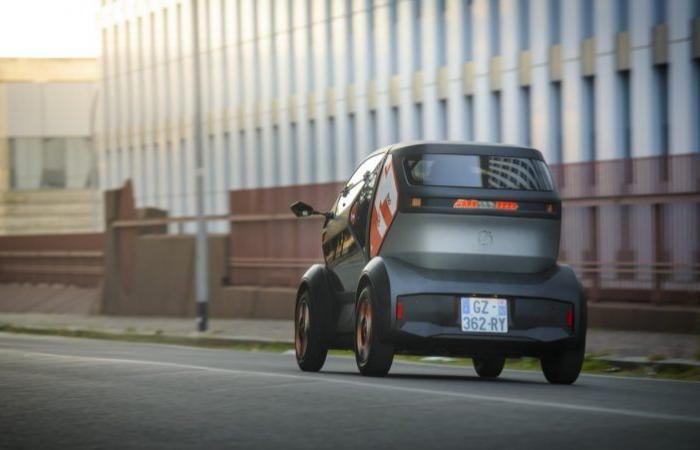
74	259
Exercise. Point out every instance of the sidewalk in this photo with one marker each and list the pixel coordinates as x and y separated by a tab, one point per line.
622	344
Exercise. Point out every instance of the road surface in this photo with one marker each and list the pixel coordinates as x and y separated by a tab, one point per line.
79	393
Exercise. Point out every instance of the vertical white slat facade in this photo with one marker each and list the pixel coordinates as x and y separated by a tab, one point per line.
296	92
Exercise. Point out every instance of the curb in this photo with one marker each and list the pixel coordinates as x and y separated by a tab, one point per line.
193	340
633	362
211	341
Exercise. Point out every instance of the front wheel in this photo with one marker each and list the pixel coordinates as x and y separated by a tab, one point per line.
563	367
488	367
309	343
373	357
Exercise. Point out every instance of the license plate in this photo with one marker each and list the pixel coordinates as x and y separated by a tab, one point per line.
484	315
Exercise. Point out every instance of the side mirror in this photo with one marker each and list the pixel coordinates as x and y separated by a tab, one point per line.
301	209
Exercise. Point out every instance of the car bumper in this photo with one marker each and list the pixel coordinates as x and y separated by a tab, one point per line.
538	305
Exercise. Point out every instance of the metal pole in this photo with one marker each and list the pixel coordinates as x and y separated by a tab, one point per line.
201	250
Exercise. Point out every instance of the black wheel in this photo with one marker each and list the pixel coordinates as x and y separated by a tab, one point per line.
309	342
563	367
373	357
488	367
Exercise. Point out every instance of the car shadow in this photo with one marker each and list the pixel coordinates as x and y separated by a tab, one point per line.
445	377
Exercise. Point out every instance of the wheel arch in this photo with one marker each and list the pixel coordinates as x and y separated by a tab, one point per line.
376	276
315	281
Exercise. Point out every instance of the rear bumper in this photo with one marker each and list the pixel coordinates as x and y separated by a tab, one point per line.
537	310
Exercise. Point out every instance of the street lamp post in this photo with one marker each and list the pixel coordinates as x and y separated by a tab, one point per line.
201	248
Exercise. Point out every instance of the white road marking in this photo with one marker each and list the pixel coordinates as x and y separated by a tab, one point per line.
413	390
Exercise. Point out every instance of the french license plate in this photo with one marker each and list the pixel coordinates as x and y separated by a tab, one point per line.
484	315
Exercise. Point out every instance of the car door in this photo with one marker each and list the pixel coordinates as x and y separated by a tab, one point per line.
344	236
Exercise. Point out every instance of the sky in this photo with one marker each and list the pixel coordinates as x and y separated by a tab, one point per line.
49	28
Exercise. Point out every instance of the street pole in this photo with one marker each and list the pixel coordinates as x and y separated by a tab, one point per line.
201	257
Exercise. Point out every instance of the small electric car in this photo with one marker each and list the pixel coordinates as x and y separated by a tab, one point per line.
443	248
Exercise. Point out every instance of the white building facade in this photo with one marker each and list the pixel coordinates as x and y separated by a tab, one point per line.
299	91
48	169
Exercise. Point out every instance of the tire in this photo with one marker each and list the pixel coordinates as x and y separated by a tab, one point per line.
563	367
488	367
310	345
373	357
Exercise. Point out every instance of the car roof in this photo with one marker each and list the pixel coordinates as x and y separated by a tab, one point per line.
457	147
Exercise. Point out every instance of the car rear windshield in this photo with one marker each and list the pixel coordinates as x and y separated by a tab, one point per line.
479	171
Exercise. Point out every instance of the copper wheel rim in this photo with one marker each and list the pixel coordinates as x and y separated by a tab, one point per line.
301	337
363	331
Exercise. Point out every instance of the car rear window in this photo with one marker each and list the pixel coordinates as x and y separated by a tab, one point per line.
479	171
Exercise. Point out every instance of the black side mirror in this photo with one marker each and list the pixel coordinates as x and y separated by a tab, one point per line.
301	209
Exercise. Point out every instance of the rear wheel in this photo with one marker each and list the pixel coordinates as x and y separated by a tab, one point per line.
563	367
309	342
489	367
373	357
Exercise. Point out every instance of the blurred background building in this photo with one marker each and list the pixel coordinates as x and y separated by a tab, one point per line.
297	92
48	176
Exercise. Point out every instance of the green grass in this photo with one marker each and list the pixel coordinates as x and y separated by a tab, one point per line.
590	365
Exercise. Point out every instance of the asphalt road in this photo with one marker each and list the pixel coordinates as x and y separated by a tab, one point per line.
78	393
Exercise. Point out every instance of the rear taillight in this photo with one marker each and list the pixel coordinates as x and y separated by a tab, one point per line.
399	310
462	203
570	318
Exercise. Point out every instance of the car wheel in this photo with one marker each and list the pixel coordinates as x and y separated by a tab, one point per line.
373	357
488	367
563	367
309	345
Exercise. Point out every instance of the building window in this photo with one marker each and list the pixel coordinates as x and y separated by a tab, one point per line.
625	112
352	140
467	41
587	19
373	139
258	158
371	62
243	182
292	57
227	161
589	125
417	34
169	174
351	43
212	162
332	149
495	27
294	152
625	121
526	114
330	75
310	70
524	26
418	124
275	160
622	15
395	123
555	22
659	11
313	153
183	176
662	111
496	117
441	29
443	122
556	115
469	117
393	37
156	168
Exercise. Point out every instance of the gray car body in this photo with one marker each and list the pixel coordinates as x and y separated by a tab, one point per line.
449	254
